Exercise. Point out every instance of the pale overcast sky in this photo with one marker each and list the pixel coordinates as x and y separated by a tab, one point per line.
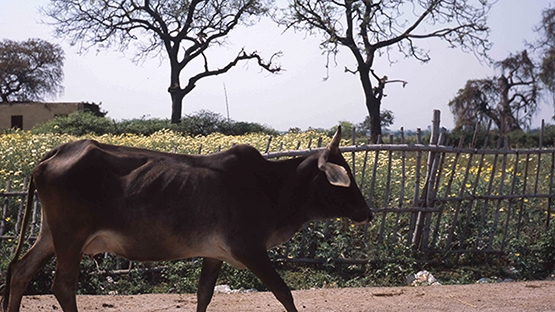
297	97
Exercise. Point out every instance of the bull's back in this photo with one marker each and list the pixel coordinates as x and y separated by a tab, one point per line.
138	193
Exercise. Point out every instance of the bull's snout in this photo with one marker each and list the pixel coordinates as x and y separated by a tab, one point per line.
362	216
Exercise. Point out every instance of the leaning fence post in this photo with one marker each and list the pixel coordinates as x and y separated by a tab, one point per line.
386	194
431	193
434	136
34	218
5	209
21	208
353	154
550	199
510	202
267	149
499	191
401	190
370	201
416	187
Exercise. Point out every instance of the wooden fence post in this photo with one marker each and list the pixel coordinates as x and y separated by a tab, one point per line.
426	195
21	208
5	209
416	195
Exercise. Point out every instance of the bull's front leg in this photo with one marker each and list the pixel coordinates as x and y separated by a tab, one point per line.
208	276
258	262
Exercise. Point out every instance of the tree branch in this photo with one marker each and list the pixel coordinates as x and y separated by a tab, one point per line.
240	57
408	31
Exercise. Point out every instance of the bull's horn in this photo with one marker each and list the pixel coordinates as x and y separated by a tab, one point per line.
334	144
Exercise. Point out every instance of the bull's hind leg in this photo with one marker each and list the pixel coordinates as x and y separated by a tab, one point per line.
64	286
22	271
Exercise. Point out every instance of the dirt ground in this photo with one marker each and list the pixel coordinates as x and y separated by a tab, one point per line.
514	296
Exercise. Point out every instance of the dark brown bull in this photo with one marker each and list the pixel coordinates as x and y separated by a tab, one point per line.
151	206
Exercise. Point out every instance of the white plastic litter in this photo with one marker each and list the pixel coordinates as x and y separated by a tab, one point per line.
225	289
422	278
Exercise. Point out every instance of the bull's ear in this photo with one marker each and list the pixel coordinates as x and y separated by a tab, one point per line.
336	174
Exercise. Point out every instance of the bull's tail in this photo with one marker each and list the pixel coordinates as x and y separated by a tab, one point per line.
21	242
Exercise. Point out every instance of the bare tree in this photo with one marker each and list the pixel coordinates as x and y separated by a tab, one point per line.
546	47
184	29
30	70
509	99
372	28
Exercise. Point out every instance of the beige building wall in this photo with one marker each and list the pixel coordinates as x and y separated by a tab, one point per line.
31	114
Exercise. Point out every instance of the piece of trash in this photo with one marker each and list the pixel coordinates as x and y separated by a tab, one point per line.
485	280
225	289
422	278
222	289
510	270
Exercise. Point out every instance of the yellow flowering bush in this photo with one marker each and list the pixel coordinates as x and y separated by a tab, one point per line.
20	151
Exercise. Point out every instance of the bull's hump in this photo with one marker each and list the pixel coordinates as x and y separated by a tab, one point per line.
246	153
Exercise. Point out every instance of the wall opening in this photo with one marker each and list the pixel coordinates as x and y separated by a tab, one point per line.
17	122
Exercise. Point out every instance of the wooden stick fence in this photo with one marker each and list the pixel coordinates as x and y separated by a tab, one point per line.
431	197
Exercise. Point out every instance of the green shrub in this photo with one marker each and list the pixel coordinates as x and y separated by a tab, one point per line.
533	256
200	123
180	277
143	126
78	123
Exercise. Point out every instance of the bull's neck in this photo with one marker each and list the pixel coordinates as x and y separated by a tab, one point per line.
294	198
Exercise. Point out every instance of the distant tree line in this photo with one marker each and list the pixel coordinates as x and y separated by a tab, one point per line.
200	123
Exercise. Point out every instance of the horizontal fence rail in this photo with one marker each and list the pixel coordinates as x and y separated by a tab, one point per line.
437	199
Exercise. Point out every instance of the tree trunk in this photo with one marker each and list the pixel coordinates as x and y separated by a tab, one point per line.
508	121
372	104
176	93
177	100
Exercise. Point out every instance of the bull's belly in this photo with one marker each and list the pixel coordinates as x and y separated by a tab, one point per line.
161	249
